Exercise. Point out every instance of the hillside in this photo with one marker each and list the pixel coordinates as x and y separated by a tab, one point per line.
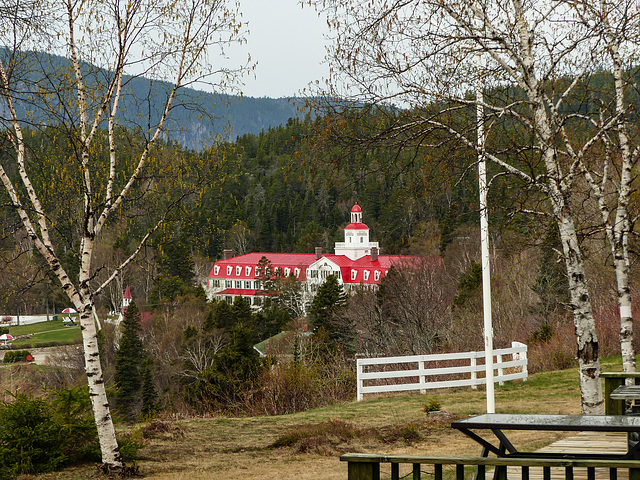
196	119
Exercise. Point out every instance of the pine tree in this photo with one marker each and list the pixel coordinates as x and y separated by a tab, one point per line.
149	393
129	358
329	300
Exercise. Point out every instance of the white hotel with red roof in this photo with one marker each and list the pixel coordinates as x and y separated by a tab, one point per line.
356	262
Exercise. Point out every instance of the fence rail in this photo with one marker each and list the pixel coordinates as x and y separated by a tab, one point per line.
367	467
423	372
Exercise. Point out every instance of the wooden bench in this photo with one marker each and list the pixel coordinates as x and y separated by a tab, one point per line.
367	466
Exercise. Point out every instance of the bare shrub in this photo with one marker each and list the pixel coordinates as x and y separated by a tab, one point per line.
291	386
558	352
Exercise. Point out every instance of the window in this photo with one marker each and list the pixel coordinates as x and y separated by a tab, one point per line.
287	271
247	271
296	272
216	270
238	270
228	284
366	275
238	284
229	269
354	274
247	284
376	275
216	283
257	270
361	239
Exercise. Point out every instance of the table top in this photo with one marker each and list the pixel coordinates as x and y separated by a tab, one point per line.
574	423
626	392
620	374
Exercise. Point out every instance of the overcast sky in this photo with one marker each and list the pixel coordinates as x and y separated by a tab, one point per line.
288	43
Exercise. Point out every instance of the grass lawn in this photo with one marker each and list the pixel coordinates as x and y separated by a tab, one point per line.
52	331
242	448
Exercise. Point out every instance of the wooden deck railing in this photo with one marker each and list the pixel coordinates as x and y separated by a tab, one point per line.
367	467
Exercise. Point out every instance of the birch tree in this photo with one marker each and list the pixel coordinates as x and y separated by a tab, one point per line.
610	176
106	44
423	56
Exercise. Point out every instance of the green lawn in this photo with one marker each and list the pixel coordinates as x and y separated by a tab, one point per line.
52	331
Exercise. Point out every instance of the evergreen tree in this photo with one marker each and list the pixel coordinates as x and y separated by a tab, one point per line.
149	393
129	359
327	303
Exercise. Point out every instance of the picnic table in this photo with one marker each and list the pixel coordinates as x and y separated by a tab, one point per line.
613	380
498	423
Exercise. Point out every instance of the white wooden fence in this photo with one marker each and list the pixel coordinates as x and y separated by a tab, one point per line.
416	377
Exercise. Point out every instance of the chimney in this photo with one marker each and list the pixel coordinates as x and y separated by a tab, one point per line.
227	253
374	254
318	252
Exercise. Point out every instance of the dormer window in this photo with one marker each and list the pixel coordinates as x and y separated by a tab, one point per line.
287	271
238	270
354	274
229	269
376	275
216	270
257	270
366	275
247	271
296	272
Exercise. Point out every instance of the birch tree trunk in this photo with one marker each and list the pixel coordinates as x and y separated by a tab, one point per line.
167	39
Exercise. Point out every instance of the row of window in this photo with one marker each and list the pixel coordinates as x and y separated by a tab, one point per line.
287	271
256	270
376	275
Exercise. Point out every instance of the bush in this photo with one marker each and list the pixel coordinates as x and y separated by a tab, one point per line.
30	440
41	435
14	356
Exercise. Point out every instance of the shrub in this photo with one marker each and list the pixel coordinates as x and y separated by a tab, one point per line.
14	356
432	406
30	440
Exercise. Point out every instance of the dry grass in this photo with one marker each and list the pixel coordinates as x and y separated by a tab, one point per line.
311	442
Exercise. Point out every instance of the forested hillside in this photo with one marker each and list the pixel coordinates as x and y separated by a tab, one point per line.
196	121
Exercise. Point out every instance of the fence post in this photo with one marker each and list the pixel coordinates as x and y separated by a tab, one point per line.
359	380
500	369
474	378
422	367
523	357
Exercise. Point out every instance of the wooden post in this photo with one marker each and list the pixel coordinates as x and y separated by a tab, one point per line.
422	367
474	378
500	369
359	381
364	471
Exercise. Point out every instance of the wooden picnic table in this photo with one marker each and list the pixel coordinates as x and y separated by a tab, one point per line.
499	423
613	380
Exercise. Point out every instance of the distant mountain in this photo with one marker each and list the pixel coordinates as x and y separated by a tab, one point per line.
197	118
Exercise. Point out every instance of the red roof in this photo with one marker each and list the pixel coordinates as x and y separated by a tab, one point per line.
356	226
239	265
127	294
356	208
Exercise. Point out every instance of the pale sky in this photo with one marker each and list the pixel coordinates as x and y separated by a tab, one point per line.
288	43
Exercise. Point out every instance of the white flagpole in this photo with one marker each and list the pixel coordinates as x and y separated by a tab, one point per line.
484	241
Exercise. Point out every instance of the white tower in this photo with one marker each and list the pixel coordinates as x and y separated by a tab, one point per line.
356	237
